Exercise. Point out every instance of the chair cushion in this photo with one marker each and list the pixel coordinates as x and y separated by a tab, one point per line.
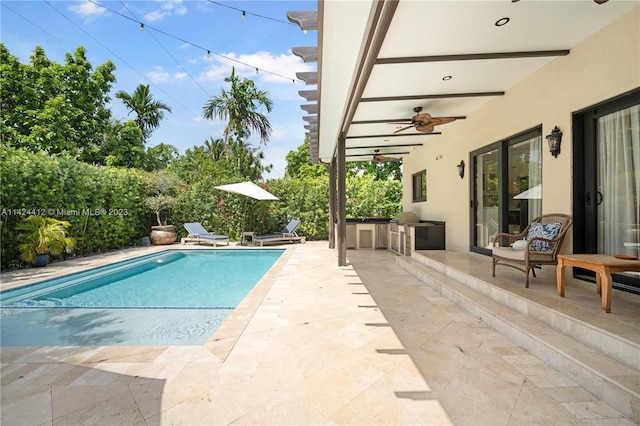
549	231
519	245
508	253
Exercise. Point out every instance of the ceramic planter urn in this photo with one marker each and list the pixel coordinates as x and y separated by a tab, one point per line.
165	234
41	260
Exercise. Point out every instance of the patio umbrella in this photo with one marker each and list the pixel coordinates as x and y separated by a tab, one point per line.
248	189
534	193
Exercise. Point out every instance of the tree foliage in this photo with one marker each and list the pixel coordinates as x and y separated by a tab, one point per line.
54	121
149	112
54	107
379	171
240	108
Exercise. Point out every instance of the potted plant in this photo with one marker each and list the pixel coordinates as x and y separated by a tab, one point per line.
42	237
163	198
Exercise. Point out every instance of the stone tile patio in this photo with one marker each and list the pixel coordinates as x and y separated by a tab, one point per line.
313	343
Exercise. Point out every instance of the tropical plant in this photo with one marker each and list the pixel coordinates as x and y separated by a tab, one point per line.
149	113
43	235
239	107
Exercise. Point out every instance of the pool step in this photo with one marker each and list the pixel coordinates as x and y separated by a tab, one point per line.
566	344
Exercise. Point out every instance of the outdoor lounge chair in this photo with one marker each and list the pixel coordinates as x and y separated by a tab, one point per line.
539	244
287	235
198	234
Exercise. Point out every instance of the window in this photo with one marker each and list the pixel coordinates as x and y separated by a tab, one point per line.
420	186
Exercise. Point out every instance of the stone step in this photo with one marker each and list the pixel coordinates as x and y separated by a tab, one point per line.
540	330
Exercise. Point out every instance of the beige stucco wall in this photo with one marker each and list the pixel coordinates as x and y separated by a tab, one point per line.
605	65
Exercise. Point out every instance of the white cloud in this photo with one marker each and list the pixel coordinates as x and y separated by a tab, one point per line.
88	9
159	75
167	8
180	75
280	69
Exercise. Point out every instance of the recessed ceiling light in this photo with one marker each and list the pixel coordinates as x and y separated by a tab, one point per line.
502	21
447	78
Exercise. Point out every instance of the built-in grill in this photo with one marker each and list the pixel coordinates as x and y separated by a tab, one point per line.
407	232
402	219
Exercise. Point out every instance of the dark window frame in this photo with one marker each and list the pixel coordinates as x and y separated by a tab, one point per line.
419	186
502	146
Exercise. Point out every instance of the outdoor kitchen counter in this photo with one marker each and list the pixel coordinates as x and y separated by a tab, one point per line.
367	233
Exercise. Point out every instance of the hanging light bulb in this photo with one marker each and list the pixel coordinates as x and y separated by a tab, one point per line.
209	54
256	70
244	15
141	27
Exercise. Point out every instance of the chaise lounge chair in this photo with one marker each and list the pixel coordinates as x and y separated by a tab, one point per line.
287	235
198	234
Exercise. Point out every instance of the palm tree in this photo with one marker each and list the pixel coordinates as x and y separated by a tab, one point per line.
239	106
149	113
214	148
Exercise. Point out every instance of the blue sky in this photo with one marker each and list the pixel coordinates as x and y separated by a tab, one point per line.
171	56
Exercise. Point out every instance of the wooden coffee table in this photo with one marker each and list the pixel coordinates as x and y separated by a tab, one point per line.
602	265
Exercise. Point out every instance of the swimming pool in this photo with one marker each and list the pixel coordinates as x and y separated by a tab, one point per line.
175	297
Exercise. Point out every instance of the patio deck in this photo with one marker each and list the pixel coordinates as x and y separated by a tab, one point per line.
315	343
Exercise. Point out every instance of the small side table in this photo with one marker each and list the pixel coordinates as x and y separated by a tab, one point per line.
602	265
244	235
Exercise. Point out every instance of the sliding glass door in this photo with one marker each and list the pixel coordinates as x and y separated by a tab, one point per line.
607	182
618	151
507	188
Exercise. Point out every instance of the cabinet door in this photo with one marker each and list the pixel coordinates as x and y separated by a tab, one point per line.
351	236
381	236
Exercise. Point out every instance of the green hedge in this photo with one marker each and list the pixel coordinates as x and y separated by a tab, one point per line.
106	209
103	204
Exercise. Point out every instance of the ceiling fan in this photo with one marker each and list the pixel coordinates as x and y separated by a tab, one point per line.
424	122
382	158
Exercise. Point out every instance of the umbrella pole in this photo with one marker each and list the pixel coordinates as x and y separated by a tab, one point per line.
244	214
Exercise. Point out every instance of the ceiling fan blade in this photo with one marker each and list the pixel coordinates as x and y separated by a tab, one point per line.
383	159
442	120
404	128
426	128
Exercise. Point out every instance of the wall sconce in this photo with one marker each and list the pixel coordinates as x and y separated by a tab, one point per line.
461	169
554	139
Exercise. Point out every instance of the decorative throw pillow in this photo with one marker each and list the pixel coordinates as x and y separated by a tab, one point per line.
549	231
519	245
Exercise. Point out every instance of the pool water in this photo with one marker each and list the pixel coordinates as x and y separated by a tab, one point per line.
169	298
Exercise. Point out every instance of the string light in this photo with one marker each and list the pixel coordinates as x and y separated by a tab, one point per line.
115	54
209	54
244	15
167	51
142	28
